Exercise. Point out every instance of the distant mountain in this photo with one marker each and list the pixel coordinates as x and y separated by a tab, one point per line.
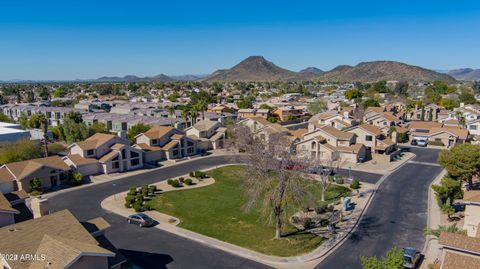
383	70
465	74
312	70
253	68
188	77
132	78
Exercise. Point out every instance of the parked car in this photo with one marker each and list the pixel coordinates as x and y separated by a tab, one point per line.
321	170
422	143
141	220
411	257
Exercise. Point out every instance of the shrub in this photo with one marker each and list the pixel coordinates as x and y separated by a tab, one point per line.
35	193
144	190
35	185
200	174
321	208
132	191
330	208
339	180
188	181
308	223
147	207
191	174
75	178
137	207
436	143
324	222
355	185
169	182
175	183
129	199
139	197
128	205
181	179
152	189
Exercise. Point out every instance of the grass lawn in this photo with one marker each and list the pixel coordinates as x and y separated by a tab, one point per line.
215	211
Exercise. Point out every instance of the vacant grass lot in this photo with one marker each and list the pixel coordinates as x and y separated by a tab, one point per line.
215	211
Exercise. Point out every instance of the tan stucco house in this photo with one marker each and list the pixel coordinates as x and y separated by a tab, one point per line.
52	171
58	241
459	251
208	134
165	143
104	153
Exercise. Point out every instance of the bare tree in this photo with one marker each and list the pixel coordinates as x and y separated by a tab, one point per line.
274	181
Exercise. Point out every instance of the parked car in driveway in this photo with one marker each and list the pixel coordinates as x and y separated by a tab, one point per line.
411	257
141	220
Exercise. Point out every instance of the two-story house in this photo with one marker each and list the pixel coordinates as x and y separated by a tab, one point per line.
209	134
374	140
328	143
165	143
104	153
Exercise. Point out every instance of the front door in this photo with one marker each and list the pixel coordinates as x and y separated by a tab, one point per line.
54	181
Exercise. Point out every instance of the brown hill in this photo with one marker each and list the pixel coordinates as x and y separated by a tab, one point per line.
254	68
383	70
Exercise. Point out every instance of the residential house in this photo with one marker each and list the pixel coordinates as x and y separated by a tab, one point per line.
459	251
327	143
338	120
51	171
11	132
252	112
380	117
284	112
262	128
375	141
7	212
57	240
471	200
209	134
438	134
165	143
426	113
219	109
473	126
104	153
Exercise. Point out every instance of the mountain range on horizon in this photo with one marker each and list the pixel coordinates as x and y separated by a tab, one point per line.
257	68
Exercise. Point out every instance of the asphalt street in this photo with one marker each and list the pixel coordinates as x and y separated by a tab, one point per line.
396	216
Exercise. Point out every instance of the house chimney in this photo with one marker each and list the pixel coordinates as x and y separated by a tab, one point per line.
122	134
39	207
394	136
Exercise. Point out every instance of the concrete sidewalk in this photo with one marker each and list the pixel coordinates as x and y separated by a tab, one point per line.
379	168
431	250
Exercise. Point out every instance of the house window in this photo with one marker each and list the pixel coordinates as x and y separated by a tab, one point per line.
124	154
368	138
115	165
134	154
190	150
154	141
135	162
189	144
314	145
472	127
90	152
175	153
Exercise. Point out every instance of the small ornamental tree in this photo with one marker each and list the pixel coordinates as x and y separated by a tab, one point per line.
35	185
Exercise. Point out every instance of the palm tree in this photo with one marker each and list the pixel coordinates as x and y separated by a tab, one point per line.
171	112
185	114
444	228
193	115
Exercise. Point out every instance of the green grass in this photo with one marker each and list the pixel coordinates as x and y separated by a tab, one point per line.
215	211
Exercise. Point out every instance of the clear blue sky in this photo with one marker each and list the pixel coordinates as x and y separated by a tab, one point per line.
87	39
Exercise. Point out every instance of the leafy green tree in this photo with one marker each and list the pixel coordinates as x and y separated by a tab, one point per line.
44	93
30	97
291	117
448	190
353	94
317	106
265	106
4	118
3	100
21	150
448	209
58	93
35	185
448	103
462	162
136	130
393	260
35	121
380	86
371	103
74	116
467	98
23	120
401	88
98	127
444	228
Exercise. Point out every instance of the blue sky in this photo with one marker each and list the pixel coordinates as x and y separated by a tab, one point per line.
89	39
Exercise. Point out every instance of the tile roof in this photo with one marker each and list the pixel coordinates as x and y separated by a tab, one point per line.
108	156
471	196
458	241
25	168
205	125
95	141
79	160
5	205
261	120
117	146
146	147
298	133
96	224
158	131
424	124
460	261
375	130
5	175
59	235
461	133
337	133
